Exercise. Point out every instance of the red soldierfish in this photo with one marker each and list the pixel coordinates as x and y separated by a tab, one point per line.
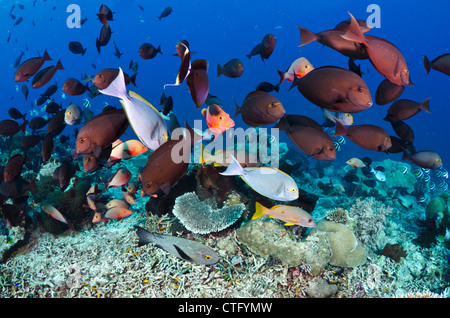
217	119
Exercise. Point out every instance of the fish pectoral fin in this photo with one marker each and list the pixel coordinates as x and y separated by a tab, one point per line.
182	254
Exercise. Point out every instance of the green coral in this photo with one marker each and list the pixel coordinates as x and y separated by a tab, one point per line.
438	210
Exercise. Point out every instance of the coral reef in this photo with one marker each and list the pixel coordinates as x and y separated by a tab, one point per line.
203	217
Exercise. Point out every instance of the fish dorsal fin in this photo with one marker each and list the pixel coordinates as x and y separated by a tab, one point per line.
182	254
139	97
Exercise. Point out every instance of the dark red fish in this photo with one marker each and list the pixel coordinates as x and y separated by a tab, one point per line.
74	87
198	81
366	136
265	48
30	67
403	109
233	68
260	108
336	89
103	78
148	51
37	123
403	130
64	173
47	147
385	57
18	188
30	141
105	14
441	64
45	75
9	127
56	124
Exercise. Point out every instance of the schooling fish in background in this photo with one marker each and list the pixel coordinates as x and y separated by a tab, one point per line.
148	51
146	121
267	87
16	114
198	82
292	215
185	249
260	108
441	64
265	48
74	87
105	14
9	127
336	89
269	182
18	59
387	92
30	67
403	109
103	39
13	167
165	13
233	68
384	56
366	136
117	51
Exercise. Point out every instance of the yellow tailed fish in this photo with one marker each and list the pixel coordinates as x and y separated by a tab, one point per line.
267	181
147	123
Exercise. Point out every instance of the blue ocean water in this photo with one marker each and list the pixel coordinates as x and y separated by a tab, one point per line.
219	31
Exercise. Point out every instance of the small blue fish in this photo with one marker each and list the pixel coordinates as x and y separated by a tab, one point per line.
341	140
423	198
443	186
405	170
426	170
86	103
337	146
432	185
427	178
417	172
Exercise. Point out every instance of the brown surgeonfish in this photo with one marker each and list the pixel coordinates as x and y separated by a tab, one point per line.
45	75
366	136
105	14
308	136
9	127
403	130
233	68
260	108
103	78
336	89
74	87
168	163
441	64
30	67
13	167
265	48
385	57
426	159
101	131
333	39
404	108
47	147
387	92
198	81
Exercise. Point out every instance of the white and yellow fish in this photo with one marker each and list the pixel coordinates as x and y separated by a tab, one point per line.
292	215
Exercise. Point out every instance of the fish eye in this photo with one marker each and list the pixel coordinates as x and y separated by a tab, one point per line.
208	257
360	89
220	117
147	185
306	66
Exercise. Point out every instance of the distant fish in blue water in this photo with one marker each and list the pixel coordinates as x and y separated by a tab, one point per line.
45	75
77	48
105	14
103	39
441	64
388	92
148	51
265	48
233	68
30	67
425	159
403	109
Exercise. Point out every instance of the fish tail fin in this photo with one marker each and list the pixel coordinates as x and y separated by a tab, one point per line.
354	32
234	168
117	87
340	129
276	88
46	56
260	210
238	110
84	51
249	56
59	65
295	82
283	124
159	49
306	36
219	70
426	64
425	105
97	44
23	125
405	156
282	77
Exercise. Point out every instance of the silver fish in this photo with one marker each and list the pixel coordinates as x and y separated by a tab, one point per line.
73	115
183	248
